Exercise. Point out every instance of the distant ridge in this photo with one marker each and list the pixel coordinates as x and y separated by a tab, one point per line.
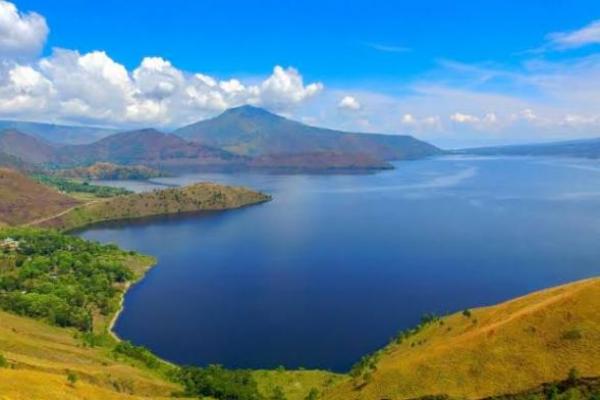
253	131
241	138
60	134
583	148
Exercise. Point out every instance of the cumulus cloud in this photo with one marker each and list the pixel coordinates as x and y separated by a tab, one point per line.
22	35
589	34
349	103
92	87
464	118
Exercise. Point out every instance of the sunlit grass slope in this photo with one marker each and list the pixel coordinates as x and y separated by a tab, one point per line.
505	348
40	357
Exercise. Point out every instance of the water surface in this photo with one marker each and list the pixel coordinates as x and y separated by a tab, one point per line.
336	265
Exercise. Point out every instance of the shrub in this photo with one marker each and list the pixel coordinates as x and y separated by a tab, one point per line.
573	334
573	376
219	383
72	378
278	394
313	394
467	313
139	353
3	362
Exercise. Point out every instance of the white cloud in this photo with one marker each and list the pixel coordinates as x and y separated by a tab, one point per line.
464	118
22	35
408	119
349	103
386	48
589	34
93	87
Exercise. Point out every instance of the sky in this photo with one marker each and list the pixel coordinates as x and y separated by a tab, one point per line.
456	73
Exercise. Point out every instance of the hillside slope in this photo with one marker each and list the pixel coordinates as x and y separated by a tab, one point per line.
23	200
25	147
144	147
507	348
253	131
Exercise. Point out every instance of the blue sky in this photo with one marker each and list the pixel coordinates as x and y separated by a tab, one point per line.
456	73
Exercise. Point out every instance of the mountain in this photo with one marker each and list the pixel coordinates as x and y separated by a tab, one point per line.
511	347
145	147
585	148
252	131
23	200
27	148
59	133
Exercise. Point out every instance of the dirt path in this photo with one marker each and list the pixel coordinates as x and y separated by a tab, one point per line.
60	214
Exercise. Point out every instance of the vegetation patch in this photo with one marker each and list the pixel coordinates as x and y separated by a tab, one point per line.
74	186
61	279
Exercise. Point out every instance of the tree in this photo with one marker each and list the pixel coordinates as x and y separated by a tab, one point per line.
312	395
278	394
573	376
72	378
3	362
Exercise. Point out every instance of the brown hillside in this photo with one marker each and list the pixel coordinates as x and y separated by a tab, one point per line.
22	200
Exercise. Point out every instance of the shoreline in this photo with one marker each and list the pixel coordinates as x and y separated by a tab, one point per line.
111	325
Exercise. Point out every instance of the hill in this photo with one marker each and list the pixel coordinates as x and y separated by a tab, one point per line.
108	171
62	134
193	198
507	348
586	148
252	131
144	147
23	200
25	147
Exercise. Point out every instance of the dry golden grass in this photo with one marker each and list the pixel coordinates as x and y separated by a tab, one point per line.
41	357
510	347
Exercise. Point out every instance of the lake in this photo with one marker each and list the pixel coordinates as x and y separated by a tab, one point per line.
335	265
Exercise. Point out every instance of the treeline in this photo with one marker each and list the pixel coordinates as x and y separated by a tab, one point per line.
61	279
73	186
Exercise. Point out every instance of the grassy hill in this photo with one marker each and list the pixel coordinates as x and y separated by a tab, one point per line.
198	197
488	351
23	200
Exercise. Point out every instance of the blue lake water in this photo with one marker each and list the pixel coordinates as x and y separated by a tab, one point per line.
336	265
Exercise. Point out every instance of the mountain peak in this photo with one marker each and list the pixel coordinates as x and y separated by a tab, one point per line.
249	111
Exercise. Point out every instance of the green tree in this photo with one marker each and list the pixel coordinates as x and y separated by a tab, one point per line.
278	394
313	394
72	378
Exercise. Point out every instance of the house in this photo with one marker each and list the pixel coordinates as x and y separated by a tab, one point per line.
9	244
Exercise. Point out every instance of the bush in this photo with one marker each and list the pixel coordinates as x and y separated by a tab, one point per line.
313	394
467	313
278	394
573	376
3	362
219	383
573	334
138	353
72	378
